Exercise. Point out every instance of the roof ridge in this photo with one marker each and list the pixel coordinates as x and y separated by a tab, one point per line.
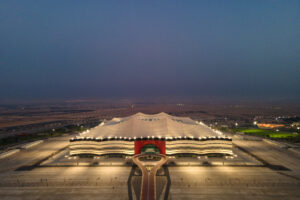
145	114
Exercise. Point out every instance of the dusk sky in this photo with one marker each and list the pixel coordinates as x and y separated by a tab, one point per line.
94	49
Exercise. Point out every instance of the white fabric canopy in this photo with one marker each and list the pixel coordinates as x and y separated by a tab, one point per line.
158	125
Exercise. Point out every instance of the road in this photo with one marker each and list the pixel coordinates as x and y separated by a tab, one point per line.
271	154
32	155
149	170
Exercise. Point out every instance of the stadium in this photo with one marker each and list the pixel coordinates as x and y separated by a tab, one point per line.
159	133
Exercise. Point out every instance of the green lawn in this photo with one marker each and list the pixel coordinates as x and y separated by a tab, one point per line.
267	133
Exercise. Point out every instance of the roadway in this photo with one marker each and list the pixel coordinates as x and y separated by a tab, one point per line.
149	170
27	157
272	154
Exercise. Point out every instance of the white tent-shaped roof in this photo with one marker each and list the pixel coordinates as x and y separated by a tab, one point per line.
158	125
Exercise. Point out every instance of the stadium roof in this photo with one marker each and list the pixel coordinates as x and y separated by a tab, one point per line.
158	125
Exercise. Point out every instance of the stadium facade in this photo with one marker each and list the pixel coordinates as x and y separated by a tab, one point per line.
158	133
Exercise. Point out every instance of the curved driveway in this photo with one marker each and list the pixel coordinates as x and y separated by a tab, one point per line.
149	170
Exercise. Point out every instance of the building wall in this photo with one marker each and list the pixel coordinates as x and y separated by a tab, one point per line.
166	147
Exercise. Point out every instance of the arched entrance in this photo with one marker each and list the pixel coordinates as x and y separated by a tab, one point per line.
157	146
150	149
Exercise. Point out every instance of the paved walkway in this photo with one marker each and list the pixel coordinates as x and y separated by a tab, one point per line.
149	168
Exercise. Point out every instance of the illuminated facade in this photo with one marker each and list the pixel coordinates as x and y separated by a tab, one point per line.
169	134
